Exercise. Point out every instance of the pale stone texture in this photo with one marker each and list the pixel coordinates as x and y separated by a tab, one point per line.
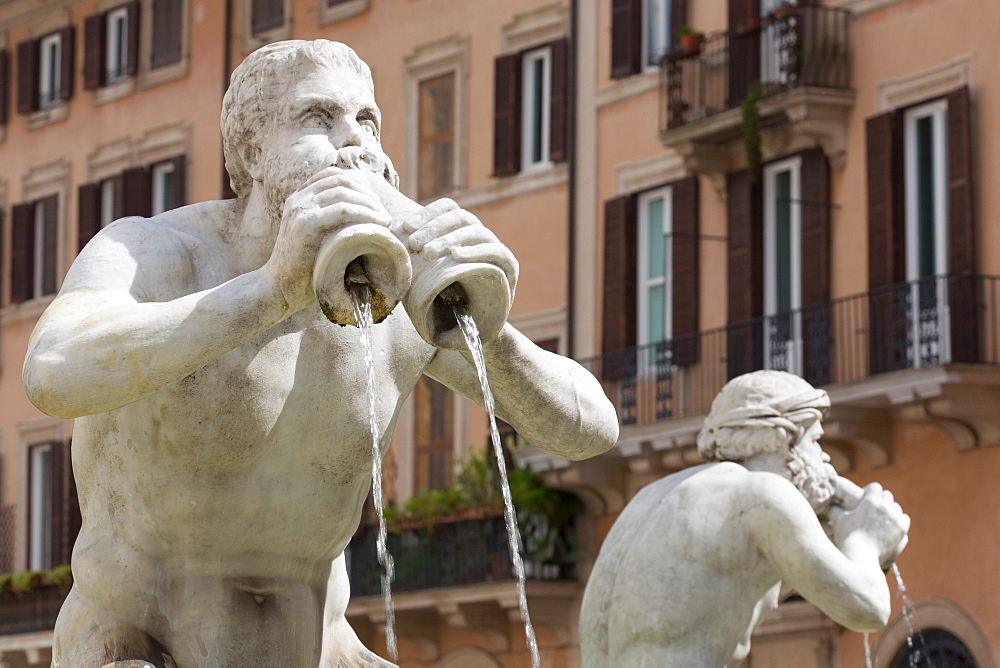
222	446
698	559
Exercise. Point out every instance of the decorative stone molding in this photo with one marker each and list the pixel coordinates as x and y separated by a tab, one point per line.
537	26
521	183
851	430
484	617
163	142
926	84
627	88
468	657
448	54
860	7
934	613
639	175
49	21
344	10
542	325
110	159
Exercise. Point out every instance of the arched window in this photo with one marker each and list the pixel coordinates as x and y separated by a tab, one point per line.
934	647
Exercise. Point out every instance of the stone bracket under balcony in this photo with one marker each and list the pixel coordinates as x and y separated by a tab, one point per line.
790	121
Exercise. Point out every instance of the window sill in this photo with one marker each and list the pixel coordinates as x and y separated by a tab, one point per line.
253	41
512	186
344	10
28	310
113	91
164	73
628	87
43	117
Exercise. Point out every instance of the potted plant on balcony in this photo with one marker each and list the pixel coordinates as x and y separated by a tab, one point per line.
748	26
690	40
785	11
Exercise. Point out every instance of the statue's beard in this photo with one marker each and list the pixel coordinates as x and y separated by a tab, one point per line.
812	476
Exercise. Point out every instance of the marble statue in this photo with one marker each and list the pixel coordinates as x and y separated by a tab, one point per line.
222	449
698	559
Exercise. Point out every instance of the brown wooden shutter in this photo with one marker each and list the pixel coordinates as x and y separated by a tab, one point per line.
619	295
94	44
180	180
50	240
685	276
744	51
22	252
887	303
678	19
27	76
137	198
167	31
57	519
964	303
507	116
68	53
89	213
746	274
626	37
267	14
814	252
559	102
4	86
132	43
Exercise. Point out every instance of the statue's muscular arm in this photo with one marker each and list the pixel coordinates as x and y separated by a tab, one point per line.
104	343
552	401
844	579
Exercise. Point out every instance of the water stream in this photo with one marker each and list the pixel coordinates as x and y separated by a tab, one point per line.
471	332
868	650
916	659
363	315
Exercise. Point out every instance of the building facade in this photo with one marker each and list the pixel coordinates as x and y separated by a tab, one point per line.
804	188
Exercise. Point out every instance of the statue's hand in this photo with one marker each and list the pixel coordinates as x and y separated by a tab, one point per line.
876	519
443	230
329	200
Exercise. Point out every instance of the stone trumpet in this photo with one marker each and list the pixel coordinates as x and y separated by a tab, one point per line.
430	289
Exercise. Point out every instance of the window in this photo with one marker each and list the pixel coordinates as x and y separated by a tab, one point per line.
531	108
34	249
51	61
934	647
655	260
434	435
53	506
40	507
536	95
111	202
783	266
45	71
641	32
111	46
168	32
436	159
266	15
164	176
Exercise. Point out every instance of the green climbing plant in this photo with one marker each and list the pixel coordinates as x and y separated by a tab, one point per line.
750	124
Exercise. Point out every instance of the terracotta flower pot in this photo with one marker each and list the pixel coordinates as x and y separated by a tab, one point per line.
691	43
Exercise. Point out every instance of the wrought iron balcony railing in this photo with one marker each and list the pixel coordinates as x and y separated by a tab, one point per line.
927	322
802	46
444	555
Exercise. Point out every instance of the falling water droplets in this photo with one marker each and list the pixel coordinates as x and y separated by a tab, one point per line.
917	659
471	332
868	650
363	314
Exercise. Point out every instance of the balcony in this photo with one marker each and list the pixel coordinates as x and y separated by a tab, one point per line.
927	350
799	61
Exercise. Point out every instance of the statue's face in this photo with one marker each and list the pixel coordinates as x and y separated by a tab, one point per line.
810	467
322	112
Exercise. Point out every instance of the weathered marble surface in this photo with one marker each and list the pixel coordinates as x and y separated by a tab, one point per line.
222	446
698	559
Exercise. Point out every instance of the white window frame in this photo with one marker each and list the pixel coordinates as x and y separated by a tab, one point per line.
40	505
50	63
528	104
109	194
937	111
661	29
793	165
116	45
643	282
158	174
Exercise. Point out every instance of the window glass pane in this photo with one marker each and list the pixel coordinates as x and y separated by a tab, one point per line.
656	301
41	507
926	205
657	257
538	111
657	29
783	240
437	135
433	434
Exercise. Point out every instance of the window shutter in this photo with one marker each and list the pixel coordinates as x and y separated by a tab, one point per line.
964	311
559	103
180	180
137	198
94	40
57	542
267	14
815	255
50	240
4	85
66	72
626	37
27	76
132	39
167	30
22	252
89	214
619	298
744	51
684	281
678	19
507	116
746	275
